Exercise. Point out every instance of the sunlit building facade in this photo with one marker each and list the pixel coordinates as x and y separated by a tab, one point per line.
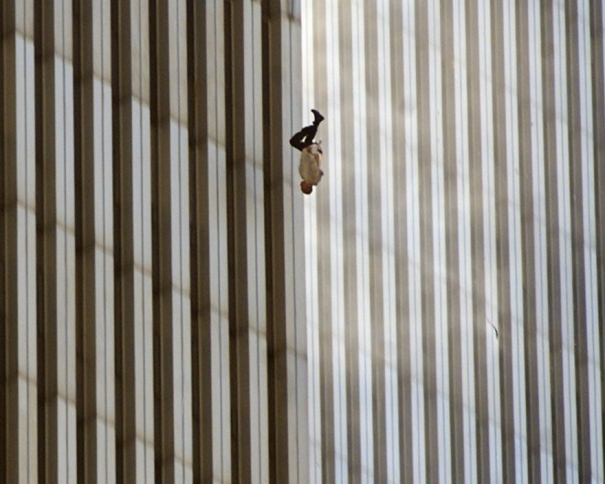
455	250
174	309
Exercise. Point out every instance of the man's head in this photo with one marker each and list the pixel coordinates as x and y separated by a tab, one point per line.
306	188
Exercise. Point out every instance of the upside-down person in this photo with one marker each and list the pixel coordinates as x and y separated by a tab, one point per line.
311	154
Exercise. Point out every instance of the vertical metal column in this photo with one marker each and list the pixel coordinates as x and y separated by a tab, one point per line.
10	459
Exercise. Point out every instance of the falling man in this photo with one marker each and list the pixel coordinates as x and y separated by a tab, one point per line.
311	154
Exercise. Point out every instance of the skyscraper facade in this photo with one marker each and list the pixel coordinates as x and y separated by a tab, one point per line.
174	309
151	256
455	269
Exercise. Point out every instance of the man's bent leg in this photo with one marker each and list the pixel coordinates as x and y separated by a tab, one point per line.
304	137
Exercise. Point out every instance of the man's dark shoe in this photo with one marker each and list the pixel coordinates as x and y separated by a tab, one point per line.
318	117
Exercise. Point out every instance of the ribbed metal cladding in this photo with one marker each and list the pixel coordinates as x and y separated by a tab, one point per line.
455	245
9	308
596	40
173	309
152	289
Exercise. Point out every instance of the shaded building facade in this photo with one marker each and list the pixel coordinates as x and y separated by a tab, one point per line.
152	295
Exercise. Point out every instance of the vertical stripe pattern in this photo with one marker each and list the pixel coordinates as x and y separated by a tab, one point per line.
174	309
476	209
152	263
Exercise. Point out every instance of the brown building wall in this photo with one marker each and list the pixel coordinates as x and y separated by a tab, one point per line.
152	304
